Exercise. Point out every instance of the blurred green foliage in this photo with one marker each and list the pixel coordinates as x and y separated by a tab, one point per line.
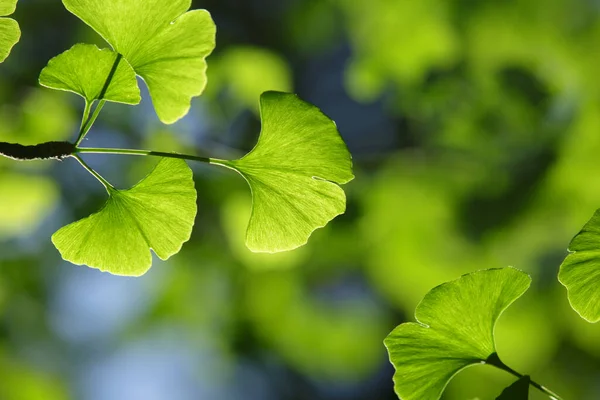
243	73
475	129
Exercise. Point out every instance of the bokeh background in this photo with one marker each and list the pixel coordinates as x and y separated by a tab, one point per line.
475	130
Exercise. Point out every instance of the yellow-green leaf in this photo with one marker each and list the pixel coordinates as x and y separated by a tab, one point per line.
580	271
84	69
10	33
164	44
158	213
454	330
294	172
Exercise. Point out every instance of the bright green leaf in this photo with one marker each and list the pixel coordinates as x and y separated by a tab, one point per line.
519	390
454	329
235	213
293	172
84	69
580	271
9	28
158	213
164	44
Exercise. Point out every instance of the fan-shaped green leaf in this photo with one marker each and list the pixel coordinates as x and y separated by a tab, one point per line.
158	213
164	44
519	390
294	172
454	329
10	33
580	271
84	69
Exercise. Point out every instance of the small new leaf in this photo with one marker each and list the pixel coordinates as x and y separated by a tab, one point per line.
84	69
164	44
294	172
10	33
158	213
518	390
454	330
580	271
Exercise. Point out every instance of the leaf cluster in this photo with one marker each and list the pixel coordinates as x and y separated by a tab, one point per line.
294	171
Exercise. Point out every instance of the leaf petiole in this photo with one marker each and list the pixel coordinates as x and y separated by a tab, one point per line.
107	185
86	115
87	125
496	362
133	152
87	121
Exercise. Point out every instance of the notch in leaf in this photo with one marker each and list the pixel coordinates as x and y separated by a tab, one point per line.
10	33
164	44
158	213
294	173
580	271
454	330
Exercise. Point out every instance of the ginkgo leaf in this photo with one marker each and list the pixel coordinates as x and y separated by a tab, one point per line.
454	329
10	33
580	271
164	44
158	213
518	390
294	172
84	69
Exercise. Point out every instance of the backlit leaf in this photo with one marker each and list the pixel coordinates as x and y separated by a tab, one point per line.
454	330
294	172
84	69
164	44
580	271
10	33
158	213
